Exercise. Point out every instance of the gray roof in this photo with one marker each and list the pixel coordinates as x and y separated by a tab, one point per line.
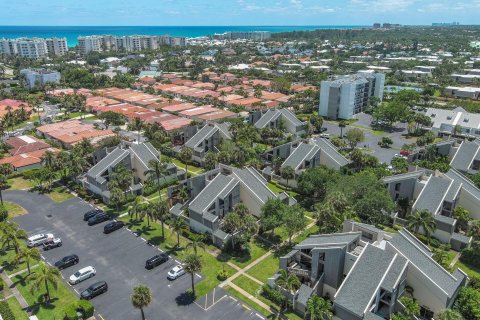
290	117
269	116
329	149
445	220
304	293
408	246
432	196
110	160
145	153
467	185
404	176
303	152
328	239
176	210
465	155
393	276
220	234
372	316
363	281
208	195
253	181
207	132
461	238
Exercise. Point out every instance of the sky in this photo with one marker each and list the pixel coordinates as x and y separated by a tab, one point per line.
235	12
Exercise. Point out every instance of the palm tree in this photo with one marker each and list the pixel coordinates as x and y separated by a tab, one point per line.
135	208
157	170
196	241
147	210
288	281
178	226
318	308
12	235
43	276
27	255
193	264
422	220
141	298
48	159
183	194
137	125
288	173
186	155
161	213
342	124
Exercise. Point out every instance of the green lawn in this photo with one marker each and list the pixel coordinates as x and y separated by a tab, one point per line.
191	168
60	298
471	271
265	268
276	187
19	183
18	312
378	132
211	265
251	303
7	261
257	249
59	194
14	210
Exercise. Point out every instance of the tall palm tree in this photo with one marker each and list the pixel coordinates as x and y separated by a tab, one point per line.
137	125
12	235
288	173
319	308
148	210
161	213
48	159
43	276
186	155
27	255
193	264
196	241
135	208
141	298
288	281
178	226
157	170
183	194
422	220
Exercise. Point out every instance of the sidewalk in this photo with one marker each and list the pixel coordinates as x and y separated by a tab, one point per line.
15	292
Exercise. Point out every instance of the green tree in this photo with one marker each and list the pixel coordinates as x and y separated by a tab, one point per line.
117	197
411	307
422	220
317	122
27	255
342	124
12	235
467	303
294	221
272	214
137	124
186	155
196	241
156	171
319	308
210	160
449	314
141	298
240	222
44	275
288	281
5	170
192	265
112	118
463	218
354	136
162	212
179	226
288	173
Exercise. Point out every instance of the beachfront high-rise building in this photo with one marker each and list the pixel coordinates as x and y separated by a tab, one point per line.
33	48
132	43
247	35
346	96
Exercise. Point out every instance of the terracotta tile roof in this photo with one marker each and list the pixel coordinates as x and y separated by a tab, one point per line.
216	115
73	131
25	144
27	159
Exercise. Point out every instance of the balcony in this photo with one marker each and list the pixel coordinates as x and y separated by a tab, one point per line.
298	270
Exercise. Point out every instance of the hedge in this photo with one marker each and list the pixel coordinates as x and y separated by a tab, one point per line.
5	311
274	295
71	312
86	307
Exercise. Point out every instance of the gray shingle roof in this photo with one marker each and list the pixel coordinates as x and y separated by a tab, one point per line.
304	293
328	239
364	280
404	176
145	152
110	160
202	134
467	185
432	196
269	116
393	276
465	155
461	238
206	197
290	117
303	152
406	244
329	149
254	182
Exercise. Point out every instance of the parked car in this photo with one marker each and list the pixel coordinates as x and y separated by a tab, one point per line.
50	244
82	274
325	135
98	218
323	129
176	272
94	290
39	239
112	226
67	261
91	214
156	261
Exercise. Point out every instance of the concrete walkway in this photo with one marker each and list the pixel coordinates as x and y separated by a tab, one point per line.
22	271
21	300
455	260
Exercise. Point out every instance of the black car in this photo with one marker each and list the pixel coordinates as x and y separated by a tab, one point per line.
94	290
156	261
112	226
67	261
91	214
98	218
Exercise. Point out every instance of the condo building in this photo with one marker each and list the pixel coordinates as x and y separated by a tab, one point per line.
248	35
33	48
102	43
345	96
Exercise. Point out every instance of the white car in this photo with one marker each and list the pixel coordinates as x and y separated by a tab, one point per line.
39	239
176	272
82	274
325	135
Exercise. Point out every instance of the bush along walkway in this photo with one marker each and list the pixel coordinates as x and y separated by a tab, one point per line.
21	300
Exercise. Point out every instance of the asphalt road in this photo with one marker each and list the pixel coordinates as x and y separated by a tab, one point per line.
119	259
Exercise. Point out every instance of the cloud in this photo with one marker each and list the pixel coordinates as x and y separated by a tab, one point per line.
381	6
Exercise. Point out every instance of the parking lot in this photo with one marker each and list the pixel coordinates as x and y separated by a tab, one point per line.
119	259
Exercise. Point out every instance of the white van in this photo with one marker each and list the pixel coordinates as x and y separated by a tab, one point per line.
39	239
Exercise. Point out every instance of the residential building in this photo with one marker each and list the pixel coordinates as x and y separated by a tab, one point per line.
466	157
470	76
207	139
346	96
33	48
302	155
463	92
28	160
365	271
25	144
11	105
438	193
247	35
39	77
212	195
134	157
276	119
131	43
454	122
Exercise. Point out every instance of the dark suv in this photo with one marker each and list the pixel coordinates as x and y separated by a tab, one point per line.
67	261
94	290
112	226
91	214
156	261
98	218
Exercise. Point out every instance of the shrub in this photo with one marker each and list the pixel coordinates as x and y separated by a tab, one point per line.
86	308
274	295
71	312
471	255
223	275
5	311
467	303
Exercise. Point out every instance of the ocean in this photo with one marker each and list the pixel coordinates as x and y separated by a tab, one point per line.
72	33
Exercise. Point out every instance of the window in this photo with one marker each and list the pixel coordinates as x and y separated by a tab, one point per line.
425	313
397	186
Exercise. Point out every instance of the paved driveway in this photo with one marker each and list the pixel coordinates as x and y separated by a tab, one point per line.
119	259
